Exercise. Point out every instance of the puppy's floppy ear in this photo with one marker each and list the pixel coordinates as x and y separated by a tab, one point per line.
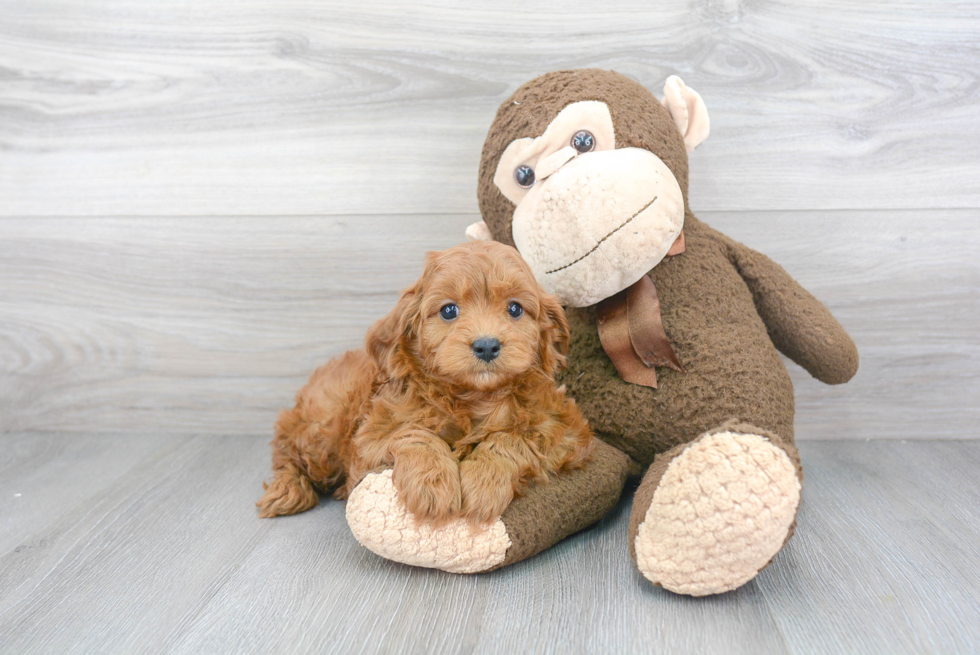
555	335
387	338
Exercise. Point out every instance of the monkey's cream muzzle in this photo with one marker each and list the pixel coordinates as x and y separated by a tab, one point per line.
589	223
598	223
592	220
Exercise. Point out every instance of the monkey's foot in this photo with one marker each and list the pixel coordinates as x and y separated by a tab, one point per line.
711	514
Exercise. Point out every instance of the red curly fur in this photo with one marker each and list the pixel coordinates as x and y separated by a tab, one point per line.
463	435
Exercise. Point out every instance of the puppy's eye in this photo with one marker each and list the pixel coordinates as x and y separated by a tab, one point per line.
449	312
524	176
515	310
583	141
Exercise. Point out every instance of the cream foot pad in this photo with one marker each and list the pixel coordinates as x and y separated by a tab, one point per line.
381	523
721	512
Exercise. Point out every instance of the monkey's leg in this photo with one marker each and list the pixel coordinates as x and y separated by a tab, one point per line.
712	513
543	516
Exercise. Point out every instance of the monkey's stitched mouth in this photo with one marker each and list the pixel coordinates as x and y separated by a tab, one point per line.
596	246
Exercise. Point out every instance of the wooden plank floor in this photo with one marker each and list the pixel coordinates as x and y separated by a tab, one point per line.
152	544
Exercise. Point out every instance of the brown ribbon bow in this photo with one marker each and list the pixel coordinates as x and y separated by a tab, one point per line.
632	331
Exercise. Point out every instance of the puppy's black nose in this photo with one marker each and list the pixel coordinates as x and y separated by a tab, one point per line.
486	348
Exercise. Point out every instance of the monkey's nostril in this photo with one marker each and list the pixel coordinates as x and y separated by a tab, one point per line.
486	348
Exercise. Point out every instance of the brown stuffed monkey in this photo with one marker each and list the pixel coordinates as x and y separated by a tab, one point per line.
674	336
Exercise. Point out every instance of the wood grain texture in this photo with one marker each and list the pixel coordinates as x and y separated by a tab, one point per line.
191	325
171	558
245	108
43	476
906	285
201	202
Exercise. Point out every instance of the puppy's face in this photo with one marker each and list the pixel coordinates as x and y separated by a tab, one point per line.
476	319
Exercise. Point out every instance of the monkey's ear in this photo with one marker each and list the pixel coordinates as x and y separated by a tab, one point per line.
479	232
688	111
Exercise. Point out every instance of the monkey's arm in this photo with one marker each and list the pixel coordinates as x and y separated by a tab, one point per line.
544	515
798	324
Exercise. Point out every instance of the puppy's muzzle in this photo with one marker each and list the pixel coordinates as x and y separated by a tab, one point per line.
486	348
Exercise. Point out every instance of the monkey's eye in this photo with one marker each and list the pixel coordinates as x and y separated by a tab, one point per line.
583	141
515	310
449	312
524	176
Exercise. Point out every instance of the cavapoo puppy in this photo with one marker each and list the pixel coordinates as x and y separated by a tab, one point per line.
455	391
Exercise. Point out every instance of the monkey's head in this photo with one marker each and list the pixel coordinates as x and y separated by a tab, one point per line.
585	172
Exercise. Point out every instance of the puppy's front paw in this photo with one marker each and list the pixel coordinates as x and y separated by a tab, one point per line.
429	486
487	490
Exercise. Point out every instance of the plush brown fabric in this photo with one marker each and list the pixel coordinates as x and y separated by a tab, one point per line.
568	504
726	309
732	367
799	325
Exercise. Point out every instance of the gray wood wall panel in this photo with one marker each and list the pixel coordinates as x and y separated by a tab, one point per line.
171	558
198	324
170	108
201	203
